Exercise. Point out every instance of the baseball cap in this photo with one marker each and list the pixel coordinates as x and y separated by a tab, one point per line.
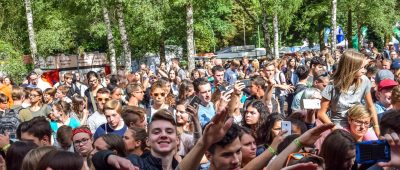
382	75
387	83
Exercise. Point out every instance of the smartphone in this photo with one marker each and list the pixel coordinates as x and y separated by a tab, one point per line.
312	103
225	88
246	82
372	151
195	101
286	126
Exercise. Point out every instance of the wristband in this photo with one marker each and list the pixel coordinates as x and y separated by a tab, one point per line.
5	148
271	150
298	144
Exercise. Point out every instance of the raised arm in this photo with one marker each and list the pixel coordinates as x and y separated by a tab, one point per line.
322	112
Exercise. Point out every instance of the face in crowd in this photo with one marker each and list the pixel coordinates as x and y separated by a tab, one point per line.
102	99
158	95
219	77
205	93
228	157
163	138
83	143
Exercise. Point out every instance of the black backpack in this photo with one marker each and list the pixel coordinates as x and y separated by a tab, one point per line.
9	121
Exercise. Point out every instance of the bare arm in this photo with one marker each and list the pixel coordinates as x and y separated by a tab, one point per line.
322	112
372	109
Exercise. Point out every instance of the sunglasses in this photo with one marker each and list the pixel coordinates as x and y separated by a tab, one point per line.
297	156
157	94
102	99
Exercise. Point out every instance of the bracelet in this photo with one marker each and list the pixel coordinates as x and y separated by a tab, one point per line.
4	148
271	150
298	144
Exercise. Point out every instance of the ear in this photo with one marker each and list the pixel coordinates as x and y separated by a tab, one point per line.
46	140
208	155
138	143
148	142
131	124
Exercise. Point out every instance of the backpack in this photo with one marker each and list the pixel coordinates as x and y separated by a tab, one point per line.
9	121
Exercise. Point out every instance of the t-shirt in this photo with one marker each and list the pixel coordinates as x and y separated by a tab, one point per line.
43	111
230	76
95	120
340	103
73	123
106	129
206	113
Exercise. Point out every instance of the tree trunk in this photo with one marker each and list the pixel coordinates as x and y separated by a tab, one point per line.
31	32
110	41
124	36
276	36
267	39
321	39
190	37
359	36
161	46
333	46
349	33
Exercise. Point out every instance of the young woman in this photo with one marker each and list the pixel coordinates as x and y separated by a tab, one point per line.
249	146
6	88
115	124
188	127
290	74
349	87
37	107
135	141
79	111
195	74
61	111
359	119
186	90
173	79
338	155
94	85
49	96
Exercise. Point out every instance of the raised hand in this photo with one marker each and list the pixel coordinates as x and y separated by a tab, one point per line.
239	86
394	142
312	135
217	128
224	100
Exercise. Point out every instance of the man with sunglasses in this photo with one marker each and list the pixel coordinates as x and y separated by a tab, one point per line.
98	118
158	95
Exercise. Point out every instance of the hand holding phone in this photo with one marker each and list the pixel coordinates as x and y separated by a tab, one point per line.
287	127
312	104
195	101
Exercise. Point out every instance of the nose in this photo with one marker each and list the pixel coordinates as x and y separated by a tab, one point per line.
235	159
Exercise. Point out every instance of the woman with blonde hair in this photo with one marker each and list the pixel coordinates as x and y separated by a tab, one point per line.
32	158
79	110
359	118
349	87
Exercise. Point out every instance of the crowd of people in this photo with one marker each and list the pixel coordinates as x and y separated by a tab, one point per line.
221	115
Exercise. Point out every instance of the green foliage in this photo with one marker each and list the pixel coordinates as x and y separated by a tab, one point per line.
12	63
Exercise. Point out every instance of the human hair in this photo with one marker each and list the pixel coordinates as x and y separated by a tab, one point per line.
50	91
113	88
199	82
63	89
113	105
302	72
3	98
91	74
103	90
133	114
62	106
315	61
61	160
157	85
132	88
163	115
231	135
335	152
77	101
68	75
261	126
64	136
114	142
217	68
193	72
245	130
139	134
395	98
40	93
255	64
258	81
349	64
183	88
309	93
297	123
358	111
32	158
16	153
390	122
270	121
17	93
39	127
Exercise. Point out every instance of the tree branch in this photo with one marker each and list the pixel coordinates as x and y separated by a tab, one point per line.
247	12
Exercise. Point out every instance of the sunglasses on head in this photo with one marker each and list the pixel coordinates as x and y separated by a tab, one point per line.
157	94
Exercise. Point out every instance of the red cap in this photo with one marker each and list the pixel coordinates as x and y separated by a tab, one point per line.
387	83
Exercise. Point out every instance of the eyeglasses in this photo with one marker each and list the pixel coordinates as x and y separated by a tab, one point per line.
360	123
82	141
102	99
157	94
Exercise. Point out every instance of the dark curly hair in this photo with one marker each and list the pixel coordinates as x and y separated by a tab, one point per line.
230	136
270	121
261	126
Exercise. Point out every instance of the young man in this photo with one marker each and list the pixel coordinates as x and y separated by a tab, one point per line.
383	95
206	108
62	92
158	95
135	95
37	130
98	118
316	69
218	75
115	124
162	140
231	74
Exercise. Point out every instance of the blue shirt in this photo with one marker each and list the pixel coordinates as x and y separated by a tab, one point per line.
206	113
106	129
380	108
230	76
